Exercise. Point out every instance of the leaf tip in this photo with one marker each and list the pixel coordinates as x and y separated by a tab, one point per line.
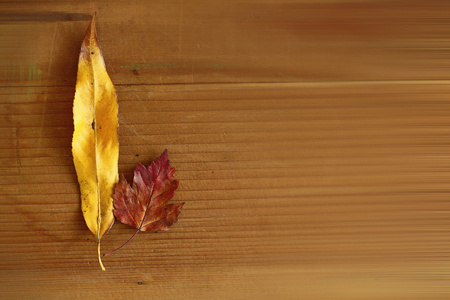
164	156
92	23
179	207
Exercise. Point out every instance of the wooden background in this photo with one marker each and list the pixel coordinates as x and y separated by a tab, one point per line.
310	138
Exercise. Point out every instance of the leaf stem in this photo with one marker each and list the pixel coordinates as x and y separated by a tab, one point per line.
137	231
99	257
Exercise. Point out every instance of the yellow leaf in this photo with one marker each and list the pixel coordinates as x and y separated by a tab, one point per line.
95	145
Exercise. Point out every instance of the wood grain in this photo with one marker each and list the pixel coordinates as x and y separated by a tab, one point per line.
310	138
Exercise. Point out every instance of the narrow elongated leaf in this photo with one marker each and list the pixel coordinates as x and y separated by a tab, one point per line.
95	145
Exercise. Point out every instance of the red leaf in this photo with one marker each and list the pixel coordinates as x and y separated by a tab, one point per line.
143	206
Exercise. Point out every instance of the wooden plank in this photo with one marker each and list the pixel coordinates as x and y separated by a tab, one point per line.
310	141
177	42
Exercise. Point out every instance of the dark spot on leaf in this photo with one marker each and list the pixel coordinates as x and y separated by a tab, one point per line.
156	231
137	155
92	52
93	125
165	208
140	283
135	72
